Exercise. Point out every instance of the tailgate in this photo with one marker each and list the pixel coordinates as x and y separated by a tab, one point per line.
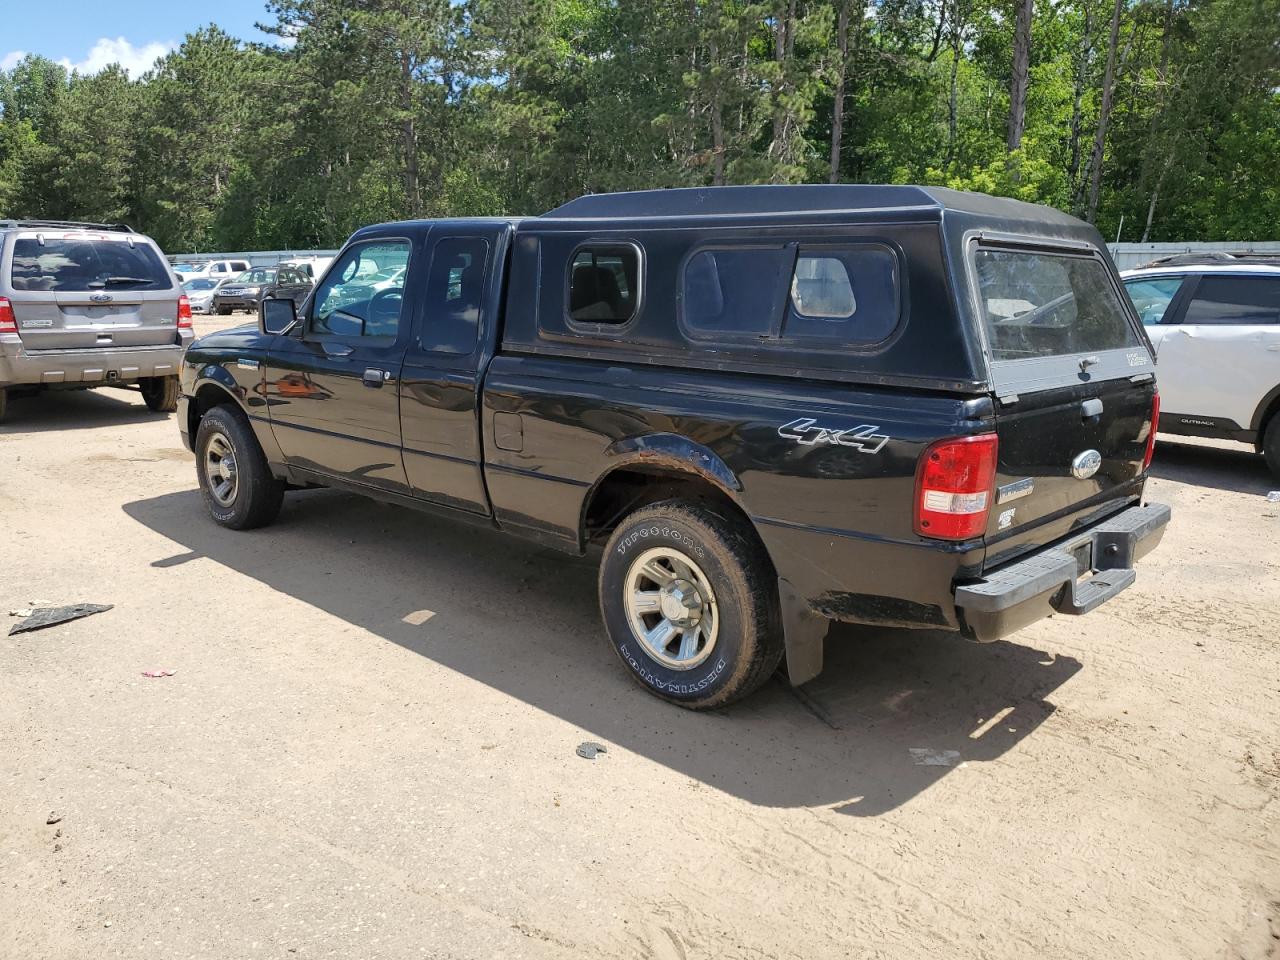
75	291
1075	386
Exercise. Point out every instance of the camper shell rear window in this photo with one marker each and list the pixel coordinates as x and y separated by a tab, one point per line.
840	294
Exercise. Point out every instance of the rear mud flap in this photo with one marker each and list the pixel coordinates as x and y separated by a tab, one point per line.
804	633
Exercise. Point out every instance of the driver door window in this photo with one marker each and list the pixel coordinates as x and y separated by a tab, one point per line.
363	295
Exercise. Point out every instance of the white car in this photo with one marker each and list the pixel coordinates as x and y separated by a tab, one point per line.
218	269
200	291
1215	324
313	267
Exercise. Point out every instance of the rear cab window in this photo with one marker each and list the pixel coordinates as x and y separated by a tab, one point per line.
1048	316
604	284
77	264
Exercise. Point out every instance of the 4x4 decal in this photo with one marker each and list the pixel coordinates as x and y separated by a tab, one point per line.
806	431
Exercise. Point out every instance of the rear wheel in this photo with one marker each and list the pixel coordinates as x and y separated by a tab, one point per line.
235	479
1271	445
690	604
160	393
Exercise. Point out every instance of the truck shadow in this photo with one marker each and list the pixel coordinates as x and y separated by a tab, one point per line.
75	410
894	712
1236	468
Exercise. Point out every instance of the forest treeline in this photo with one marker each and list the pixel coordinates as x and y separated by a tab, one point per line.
1165	113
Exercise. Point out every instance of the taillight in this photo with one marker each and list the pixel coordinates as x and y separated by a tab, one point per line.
1151	437
954	484
184	312
8	323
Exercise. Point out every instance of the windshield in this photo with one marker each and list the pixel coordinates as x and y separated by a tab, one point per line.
84	265
188	267
200	283
260	275
1049	305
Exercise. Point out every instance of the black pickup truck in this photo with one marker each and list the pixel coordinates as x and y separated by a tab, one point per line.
770	407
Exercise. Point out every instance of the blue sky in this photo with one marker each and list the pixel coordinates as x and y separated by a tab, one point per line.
89	34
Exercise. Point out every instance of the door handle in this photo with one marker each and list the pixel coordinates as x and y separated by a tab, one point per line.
337	349
1091	409
374	377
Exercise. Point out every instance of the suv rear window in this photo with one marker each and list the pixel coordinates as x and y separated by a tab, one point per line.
1235	299
1049	305
82	264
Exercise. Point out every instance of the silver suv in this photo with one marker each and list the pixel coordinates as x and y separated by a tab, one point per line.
88	305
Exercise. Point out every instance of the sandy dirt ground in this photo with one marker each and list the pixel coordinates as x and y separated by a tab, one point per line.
368	747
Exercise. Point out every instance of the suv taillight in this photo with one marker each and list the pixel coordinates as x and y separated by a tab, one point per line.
184	312
1151	437
8	323
954	482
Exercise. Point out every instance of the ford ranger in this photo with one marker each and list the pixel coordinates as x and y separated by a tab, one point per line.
767	407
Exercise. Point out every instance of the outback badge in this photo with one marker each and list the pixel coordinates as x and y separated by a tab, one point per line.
1086	464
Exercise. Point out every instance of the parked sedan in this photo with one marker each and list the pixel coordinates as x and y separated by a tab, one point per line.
201	290
262	283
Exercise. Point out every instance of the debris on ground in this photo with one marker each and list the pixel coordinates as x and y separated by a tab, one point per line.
1273	496
41	617
928	757
590	750
54	817
24	612
158	673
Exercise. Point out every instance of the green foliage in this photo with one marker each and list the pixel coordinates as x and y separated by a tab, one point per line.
386	109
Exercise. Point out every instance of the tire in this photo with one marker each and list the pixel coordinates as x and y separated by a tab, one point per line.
1271	445
253	496
4	403
160	393
728	643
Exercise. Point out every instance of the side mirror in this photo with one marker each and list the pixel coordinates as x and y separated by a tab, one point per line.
276	316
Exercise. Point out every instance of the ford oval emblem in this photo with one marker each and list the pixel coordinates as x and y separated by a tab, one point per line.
1086	464
101	298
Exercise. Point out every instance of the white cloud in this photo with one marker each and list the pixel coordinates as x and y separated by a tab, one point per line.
134	60
11	60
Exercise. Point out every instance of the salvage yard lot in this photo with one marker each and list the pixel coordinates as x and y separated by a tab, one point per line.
367	749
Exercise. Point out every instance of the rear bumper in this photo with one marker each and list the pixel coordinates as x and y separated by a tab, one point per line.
1046	582
93	367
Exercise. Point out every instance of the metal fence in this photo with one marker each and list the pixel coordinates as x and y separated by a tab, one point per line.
256	258
1129	255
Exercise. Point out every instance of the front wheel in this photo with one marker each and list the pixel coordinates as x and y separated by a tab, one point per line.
235	478
160	393
690	604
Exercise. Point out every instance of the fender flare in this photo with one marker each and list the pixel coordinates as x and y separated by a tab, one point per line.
1258	422
674	451
216	375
